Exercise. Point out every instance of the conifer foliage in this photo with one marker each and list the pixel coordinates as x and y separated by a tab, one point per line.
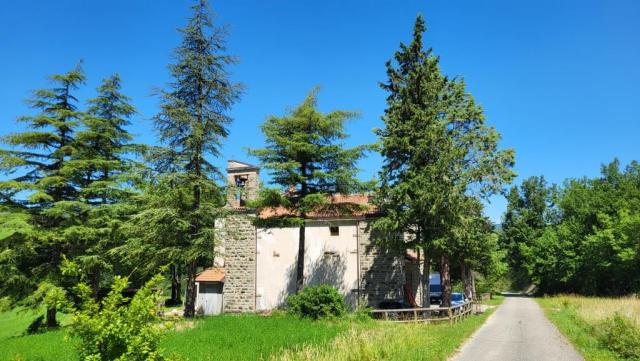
308	160
193	122
42	194
437	152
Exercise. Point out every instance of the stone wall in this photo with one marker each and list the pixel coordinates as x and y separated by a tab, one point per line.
381	271
240	263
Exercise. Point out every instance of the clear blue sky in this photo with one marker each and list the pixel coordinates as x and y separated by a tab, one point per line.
558	79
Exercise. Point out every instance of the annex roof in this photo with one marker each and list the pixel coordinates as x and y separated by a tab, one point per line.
213	274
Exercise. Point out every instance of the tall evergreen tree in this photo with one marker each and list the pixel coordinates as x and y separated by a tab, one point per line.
103	167
308	160
46	194
437	153
193	122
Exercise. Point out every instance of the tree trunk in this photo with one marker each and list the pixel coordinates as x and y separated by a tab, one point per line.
190	299
176	294
445	275
300	260
426	293
95	284
467	279
51	317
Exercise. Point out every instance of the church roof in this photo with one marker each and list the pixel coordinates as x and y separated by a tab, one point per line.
340	206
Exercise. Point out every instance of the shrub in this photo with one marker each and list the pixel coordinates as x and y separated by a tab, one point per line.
621	336
317	302
117	329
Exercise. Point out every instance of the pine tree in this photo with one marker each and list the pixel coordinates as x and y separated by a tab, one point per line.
307	159
193	123
103	169
436	151
45	194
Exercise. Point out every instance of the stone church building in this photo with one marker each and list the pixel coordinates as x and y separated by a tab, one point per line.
256	267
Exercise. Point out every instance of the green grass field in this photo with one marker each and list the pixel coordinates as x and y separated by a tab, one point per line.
253	337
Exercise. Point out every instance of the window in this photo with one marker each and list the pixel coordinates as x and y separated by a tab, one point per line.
334	230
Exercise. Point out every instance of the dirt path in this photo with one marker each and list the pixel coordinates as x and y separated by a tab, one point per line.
518	330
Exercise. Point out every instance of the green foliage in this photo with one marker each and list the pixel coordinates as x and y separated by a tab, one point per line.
594	246
307	159
315	302
530	210
115	329
439	157
192	123
621	336
42	195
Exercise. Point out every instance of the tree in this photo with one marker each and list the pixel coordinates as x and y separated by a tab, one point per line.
44	193
193	122
530	210
308	160
437	152
104	171
593	247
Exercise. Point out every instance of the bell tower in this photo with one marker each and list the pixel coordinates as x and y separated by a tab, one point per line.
243	183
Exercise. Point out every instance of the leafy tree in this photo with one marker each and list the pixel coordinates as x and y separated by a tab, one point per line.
530	210
307	159
594	247
118	328
437	152
43	193
193	122
476	248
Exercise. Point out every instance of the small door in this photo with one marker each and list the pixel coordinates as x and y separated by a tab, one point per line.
210	297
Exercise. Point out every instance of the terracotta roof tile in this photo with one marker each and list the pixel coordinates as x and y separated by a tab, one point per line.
213	274
331	211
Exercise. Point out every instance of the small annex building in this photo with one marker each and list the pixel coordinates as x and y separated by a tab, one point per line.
209	288
254	268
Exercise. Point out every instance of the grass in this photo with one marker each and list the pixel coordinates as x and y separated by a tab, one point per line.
278	337
579	319
14	345
495	300
249	337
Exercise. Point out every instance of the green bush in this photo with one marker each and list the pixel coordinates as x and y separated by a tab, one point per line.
621	336
316	302
117	329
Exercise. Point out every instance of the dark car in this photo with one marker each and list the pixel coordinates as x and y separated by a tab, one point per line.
435	294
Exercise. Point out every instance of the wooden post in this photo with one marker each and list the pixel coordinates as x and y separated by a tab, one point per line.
450	316
415	315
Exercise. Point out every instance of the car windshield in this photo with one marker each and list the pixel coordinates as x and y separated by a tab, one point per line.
457	297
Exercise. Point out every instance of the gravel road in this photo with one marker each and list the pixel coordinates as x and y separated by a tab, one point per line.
519	331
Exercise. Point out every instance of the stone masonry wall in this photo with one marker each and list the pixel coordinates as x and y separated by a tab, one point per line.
381	271
240	264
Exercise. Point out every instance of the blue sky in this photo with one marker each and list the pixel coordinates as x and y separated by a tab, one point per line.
558	79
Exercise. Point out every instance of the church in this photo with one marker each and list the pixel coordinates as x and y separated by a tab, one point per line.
255	268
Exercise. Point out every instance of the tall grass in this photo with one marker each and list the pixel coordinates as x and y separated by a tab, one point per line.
389	341
600	328
594	310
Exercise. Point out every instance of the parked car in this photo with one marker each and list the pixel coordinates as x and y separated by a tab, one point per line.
435	294
457	298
